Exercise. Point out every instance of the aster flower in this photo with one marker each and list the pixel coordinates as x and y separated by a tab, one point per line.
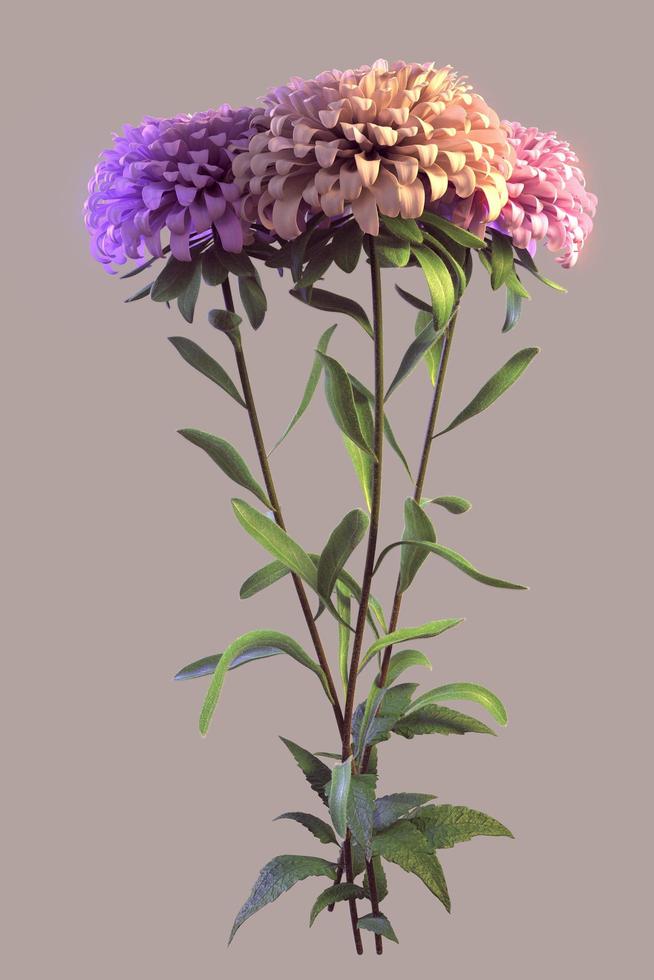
169	176
378	139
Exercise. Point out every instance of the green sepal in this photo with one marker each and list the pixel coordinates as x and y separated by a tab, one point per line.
173	279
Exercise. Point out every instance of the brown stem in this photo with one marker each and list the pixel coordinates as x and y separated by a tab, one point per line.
374	902
339	875
349	877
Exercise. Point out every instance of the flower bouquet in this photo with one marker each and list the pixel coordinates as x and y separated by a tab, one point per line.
395	166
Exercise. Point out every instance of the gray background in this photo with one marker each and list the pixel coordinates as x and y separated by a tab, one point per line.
129	841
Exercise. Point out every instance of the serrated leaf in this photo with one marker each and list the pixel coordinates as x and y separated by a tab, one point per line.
189	296
207	665
433	628
439	283
404	845
458	235
277	877
276	541
434	720
417	349
319	828
173	279
254	300
361	808
374	719
446	825
417	527
346	246
454	558
340	399
206	365
316	772
501	381
455	505
378	924
342	541
402	661
463	692
342	892
339	792
227	458
321	299
311	385
389	809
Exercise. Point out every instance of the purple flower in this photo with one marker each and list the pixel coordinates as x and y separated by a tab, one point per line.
171	175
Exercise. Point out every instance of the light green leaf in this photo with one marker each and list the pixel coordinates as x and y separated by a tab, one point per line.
253	299
335	893
501	258
433	628
227	458
458	235
262	578
389	809
206	365
434	720
346	246
340	399
432	357
403	660
339	792
173	280
321	299
343	609
342	541
455	559
495	386
277	877
404	228
527	262
463	692
312	383
316	772
455	505
319	828
276	541
417	349
439	282
456	270
447	825
404	845
417	527
207	665
378	924
391	253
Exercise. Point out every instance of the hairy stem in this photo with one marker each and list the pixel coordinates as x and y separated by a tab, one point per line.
274	500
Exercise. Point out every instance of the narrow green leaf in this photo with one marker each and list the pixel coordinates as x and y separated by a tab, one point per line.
358	388
189	296
276	541
262	578
527	262
224	320
403	660
404	228
227	458
342	541
321	299
391	253
214	272
277	877
373	720
417	527
463	692
418	304
340	399
141	294
312	384
404	845
434	720
252	640
206	365
316	772
501	258
433	628
446	825
254	300
316	268
238	263
360	810
439	282
432	357
417	349
454	267
172	280
207	665
343	609
140	268
378	924
455	505
455	559
389	809
458	235
342	892
495	386
319	828
513	309
338	795
346	246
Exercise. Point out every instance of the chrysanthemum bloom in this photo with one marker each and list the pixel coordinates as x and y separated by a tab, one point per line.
171	175
547	195
376	140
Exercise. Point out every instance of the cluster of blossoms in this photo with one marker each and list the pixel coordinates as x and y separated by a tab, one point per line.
391	140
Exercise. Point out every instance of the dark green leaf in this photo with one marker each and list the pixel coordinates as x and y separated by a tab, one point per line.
340	399
335	893
277	877
378	924
434	720
224	320
403	660
140	268
342	541
173	280
319	828
362	461
455	559
433	628
404	228
358	388
380	879
391	253
432	356
404	845
501	259
227	458
495	386
374	720
315	771
418	304
439	282
389	809
206	365
339	792
141	294
321	299
346	246
414	353
527	262
214	272
315	268
253	299
417	527
458	235
456	271
238	263
446	825
513	310
361	808
312	383
455	505
463	692
207	665
189	296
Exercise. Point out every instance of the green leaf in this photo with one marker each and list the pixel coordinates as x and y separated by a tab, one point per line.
501	258
374	719
391	253
140	268
404	228
402	661
463	692
342	541
173	280
207	665
455	505
380	880
316	268
253	299
340	399
319	828
141	294
513	309
206	365
432	356
361	808
277	877
417	527
496	386
455	559
458	235
224	320
276	541
321	299
214	272
315	771
312	384
335	893
359	389
227	458
252	640
432	628
362	461
446	825
346	246
527	262
439	282
417	349
434	720
389	809
455	269
418	304
404	845
189	296
238	263
339	792
378	924
343	609
262	578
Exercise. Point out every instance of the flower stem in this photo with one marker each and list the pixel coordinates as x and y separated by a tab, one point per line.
274	500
